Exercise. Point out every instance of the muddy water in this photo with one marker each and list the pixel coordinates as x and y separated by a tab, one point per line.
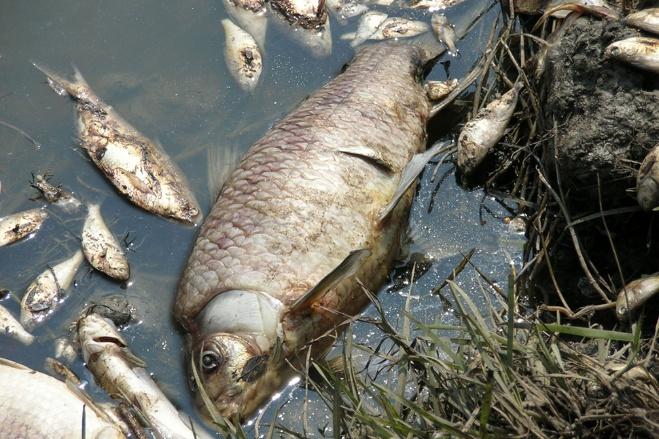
161	67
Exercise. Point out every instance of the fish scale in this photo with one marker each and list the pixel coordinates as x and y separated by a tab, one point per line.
297	206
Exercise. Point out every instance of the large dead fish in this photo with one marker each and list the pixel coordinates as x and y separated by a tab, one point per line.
36	406
122	374
47	292
20	225
316	204
250	15
138	167
309	21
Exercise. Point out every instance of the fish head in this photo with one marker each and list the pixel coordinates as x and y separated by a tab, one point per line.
233	375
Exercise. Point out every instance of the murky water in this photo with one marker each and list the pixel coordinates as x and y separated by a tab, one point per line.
161	66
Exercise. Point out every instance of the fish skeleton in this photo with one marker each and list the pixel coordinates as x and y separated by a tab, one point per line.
641	52
314	205
121	373
242	56
101	247
138	167
21	224
36	406
46	293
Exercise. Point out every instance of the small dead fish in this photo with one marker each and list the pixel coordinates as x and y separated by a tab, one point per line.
438	90
46	293
19	225
635	294
647	20
64	350
120	372
368	24
34	405
398	27
309	19
138	167
242	56
250	15
101	248
55	194
444	32
480	134
641	52
12	327
647	181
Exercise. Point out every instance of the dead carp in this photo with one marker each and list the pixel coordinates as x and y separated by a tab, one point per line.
12	327
310	22
242	56
138	167
46	293
101	248
483	132
20	225
647	20
641	52
118	371
315	205
36	406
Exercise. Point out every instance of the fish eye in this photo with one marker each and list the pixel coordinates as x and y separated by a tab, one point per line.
210	360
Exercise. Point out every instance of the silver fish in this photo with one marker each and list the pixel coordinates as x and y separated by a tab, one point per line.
641	52
647	181
101	248
438	90
647	20
399	27
483	132
368	24
309	19
315	204
120	372
36	406
20	225
55	194
444	32
12	327
250	15
138	167
635	294
242	56
46	293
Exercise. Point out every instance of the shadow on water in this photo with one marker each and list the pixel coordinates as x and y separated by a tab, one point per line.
162	68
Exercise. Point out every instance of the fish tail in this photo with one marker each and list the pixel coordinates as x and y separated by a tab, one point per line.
58	83
79	79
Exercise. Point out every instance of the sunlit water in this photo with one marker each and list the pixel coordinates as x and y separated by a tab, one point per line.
160	64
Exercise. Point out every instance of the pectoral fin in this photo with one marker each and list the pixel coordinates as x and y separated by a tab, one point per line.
369	155
346	269
409	175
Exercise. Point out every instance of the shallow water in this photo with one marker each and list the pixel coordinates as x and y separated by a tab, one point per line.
161	66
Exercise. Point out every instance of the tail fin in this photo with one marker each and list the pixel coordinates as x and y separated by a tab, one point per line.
60	84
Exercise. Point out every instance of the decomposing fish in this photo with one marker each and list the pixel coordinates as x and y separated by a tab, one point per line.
646	19
316	204
480	134
433	5
35	406
310	21
12	327
640	52
647	181
635	294
242	56
64	350
563	8
121	373
21	224
46	293
438	90
250	15
55	194
444	32
399	27
368	24
138	167
101	248
344	9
